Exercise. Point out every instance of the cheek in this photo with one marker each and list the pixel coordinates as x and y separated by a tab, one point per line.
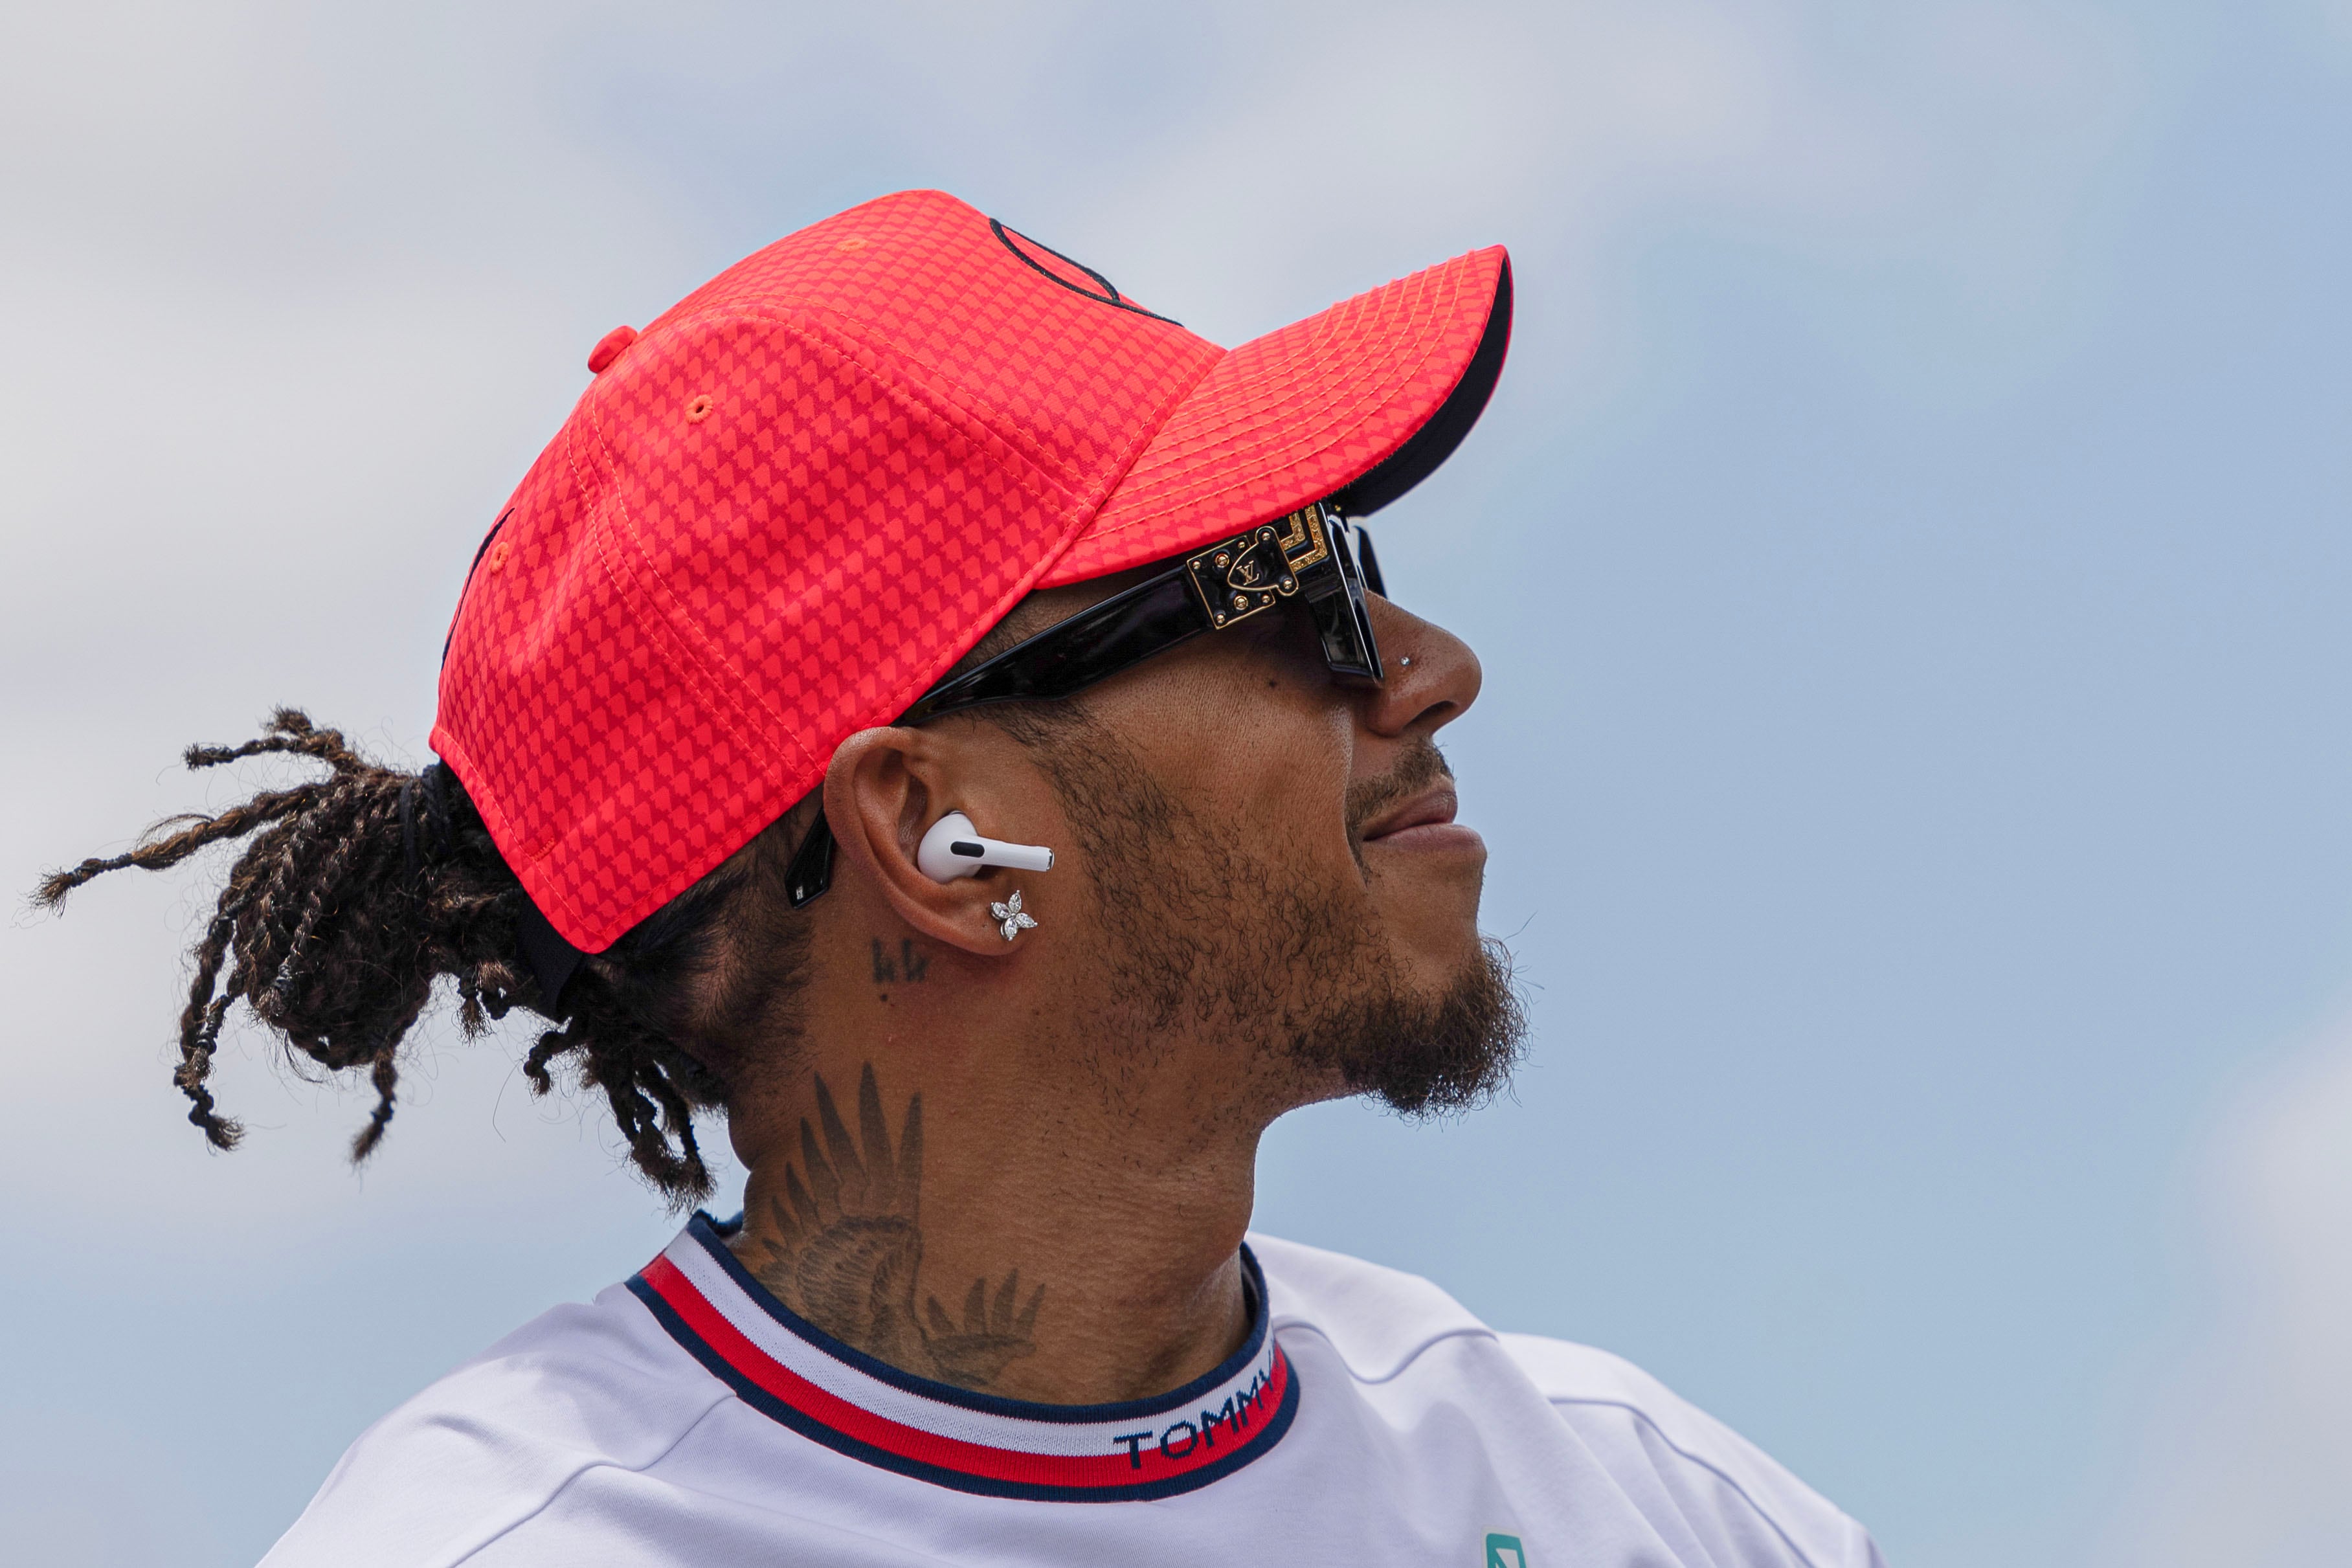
1258	754
1277	785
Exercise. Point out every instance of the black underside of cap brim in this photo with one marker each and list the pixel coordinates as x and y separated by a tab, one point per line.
1434	442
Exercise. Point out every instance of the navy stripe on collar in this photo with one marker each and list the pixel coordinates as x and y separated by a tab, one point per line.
832	1394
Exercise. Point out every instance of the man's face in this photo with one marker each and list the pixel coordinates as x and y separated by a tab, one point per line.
1275	862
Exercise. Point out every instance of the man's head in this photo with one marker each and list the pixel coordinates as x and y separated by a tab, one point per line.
719	629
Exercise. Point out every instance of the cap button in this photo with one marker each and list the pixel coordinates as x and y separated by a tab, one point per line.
608	348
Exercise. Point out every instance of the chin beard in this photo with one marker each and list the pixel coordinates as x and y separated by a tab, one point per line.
1421	1056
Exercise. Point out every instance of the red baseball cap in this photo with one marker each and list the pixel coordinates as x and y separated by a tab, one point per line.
782	510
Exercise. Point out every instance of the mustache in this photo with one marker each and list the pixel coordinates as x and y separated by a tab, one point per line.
1421	765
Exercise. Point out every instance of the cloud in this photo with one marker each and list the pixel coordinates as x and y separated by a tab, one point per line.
2250	1440
1571	125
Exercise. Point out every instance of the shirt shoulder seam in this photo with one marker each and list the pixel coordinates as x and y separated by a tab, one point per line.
1644	1416
1477	1330
548	1501
1646	1419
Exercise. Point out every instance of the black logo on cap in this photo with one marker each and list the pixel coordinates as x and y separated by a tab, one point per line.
1020	244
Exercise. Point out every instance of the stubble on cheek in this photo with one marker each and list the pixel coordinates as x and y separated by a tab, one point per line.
1204	920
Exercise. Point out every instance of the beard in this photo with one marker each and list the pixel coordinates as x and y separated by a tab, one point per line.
1425	1055
1206	935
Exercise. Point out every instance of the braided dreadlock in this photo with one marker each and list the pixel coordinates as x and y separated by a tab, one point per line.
344	909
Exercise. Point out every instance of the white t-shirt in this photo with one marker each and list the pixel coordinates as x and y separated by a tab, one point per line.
687	1418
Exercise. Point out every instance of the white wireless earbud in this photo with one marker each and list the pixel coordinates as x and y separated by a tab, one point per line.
954	848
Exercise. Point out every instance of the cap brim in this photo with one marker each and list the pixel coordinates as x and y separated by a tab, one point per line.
1360	402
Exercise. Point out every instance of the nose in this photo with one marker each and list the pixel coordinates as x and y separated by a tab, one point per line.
1433	676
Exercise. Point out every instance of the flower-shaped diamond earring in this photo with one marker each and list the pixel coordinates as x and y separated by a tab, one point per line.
1016	919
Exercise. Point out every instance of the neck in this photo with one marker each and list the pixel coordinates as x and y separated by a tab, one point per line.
997	1210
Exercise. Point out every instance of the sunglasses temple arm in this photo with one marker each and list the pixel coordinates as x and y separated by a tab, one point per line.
1070	656
1368	562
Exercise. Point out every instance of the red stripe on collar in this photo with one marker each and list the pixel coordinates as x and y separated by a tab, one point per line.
945	1435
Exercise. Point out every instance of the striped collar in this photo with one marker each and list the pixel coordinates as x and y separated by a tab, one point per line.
794	1372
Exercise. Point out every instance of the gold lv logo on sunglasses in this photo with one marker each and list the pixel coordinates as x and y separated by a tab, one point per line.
1245	574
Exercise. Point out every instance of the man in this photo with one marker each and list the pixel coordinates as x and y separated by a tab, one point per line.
944	714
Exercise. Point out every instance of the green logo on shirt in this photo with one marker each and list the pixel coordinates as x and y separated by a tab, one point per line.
1504	1551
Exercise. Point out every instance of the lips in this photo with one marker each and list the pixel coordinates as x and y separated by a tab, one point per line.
1433	808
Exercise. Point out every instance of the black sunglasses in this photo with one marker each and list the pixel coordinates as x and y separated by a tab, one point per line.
1314	554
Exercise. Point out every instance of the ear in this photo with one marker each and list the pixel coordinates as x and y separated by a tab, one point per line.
883	791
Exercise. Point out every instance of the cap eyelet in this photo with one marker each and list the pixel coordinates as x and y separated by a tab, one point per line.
698	410
497	560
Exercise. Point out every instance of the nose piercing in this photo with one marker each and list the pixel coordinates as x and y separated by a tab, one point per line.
1405	663
1016	919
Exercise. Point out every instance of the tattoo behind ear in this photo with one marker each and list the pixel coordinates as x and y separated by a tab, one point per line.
909	963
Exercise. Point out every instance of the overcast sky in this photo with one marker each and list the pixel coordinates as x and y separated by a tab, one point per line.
1908	551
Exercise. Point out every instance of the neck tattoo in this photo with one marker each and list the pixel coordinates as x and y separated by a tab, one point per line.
843	1246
